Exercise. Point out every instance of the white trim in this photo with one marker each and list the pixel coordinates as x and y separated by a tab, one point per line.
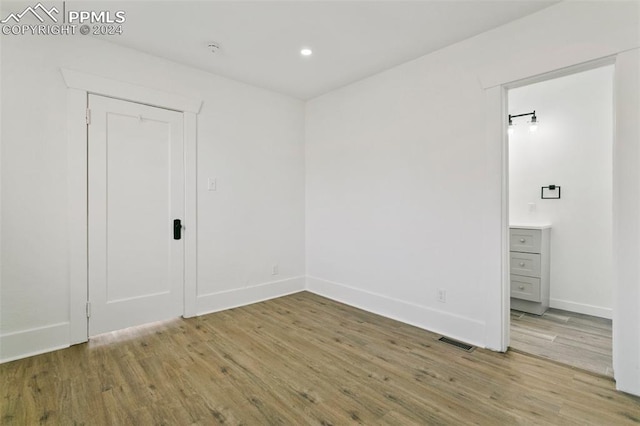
34	341
554	63
190	214
129	92
79	86
562	72
457	326
215	302
505	230
626	223
496	226
77	213
581	308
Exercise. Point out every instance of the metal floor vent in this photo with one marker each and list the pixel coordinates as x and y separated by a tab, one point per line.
457	344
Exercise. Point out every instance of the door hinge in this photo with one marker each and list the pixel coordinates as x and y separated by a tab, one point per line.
88	116
88	309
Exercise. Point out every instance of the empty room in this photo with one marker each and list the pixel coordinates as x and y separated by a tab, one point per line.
320	212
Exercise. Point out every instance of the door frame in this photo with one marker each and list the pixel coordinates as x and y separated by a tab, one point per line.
79	86
626	209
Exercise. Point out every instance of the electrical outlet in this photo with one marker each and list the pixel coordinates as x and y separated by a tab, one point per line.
442	295
274	269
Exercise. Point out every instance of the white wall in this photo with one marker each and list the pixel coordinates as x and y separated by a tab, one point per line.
403	189
250	139
573	148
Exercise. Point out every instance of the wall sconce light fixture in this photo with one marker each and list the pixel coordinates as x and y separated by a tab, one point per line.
533	124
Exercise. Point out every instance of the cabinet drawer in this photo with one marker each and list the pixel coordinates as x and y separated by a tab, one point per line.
525	288
525	240
525	264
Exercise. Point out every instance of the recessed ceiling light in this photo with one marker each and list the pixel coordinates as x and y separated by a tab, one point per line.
306	52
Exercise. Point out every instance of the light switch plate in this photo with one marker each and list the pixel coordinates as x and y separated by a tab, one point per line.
211	184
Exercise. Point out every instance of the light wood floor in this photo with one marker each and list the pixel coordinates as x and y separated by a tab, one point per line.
298	360
582	341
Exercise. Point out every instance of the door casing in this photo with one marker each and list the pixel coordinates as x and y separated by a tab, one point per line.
79	86
626	210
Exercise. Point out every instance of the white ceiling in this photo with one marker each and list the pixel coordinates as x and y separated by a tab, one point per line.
261	41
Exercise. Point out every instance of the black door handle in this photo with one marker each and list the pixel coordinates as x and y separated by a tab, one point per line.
177	229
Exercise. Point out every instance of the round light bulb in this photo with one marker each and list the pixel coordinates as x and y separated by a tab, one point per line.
306	52
510	130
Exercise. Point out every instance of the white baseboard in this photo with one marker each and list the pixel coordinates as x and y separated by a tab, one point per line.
581	308
455	326
34	341
214	302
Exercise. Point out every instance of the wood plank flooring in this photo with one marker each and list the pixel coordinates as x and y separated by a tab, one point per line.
298	360
582	341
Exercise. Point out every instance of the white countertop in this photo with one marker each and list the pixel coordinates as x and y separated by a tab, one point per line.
530	225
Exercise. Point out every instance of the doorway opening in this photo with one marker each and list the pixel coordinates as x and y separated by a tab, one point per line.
560	173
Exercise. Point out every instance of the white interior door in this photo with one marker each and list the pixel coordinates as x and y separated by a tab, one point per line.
136	191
